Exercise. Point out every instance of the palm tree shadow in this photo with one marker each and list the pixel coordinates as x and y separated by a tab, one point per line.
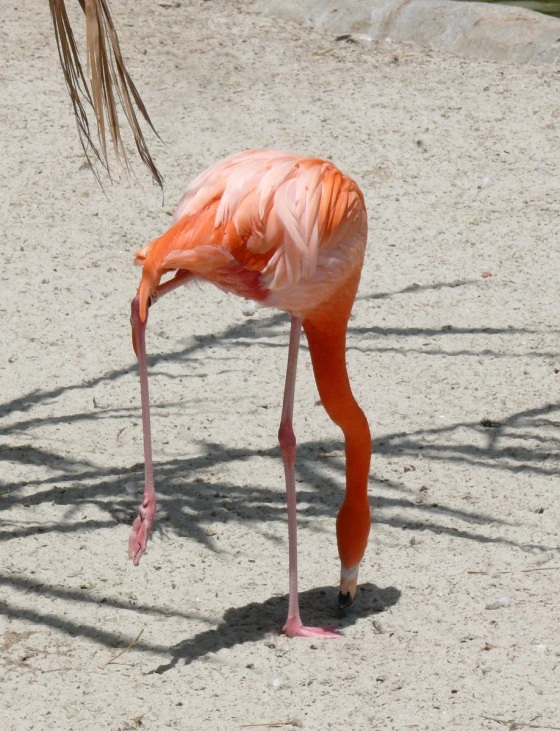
251	622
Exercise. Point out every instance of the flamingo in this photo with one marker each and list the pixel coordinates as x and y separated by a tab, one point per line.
287	232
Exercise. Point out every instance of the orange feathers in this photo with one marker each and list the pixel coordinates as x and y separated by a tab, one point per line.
279	215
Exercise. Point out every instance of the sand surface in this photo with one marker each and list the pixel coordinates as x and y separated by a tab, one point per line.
458	373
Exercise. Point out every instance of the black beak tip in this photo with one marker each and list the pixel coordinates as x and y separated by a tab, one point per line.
344	600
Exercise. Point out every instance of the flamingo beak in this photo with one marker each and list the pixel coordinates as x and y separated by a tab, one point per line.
136	319
348	585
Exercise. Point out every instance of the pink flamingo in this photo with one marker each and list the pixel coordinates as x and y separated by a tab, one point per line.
288	232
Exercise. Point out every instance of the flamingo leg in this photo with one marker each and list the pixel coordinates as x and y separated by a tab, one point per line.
143	524
286	437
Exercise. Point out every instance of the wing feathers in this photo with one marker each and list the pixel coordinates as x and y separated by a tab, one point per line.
265	210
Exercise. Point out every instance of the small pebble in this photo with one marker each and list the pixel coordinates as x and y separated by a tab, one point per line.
271	640
249	308
130	487
379	627
486	182
275	681
503	601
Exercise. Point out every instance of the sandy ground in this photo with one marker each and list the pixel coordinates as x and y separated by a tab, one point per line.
456	622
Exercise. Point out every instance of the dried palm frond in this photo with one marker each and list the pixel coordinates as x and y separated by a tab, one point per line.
107	75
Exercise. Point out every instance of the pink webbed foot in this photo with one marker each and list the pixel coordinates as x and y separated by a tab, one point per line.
294	628
141	530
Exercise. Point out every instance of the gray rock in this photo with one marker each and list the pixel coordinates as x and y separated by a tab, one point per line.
471	29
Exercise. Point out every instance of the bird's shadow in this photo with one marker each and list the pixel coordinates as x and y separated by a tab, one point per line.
253	621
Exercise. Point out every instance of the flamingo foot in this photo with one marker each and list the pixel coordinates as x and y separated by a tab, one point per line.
141	529
294	628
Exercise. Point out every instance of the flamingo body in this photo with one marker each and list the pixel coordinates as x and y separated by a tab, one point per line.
288	232
272	226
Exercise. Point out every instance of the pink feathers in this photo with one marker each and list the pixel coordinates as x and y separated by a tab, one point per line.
295	226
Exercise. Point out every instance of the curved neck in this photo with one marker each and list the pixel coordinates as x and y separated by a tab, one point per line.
327	346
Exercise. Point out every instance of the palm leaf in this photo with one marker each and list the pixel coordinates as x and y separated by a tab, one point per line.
109	80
